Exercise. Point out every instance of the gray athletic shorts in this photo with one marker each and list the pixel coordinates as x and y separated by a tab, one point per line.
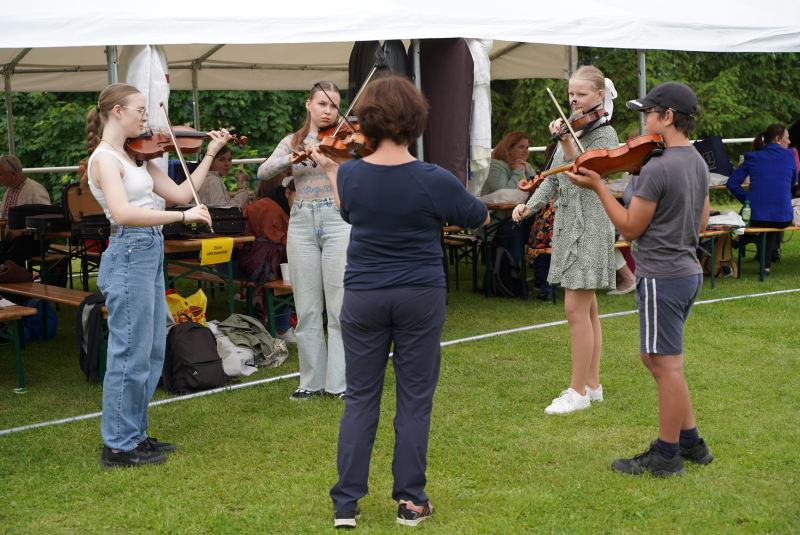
664	305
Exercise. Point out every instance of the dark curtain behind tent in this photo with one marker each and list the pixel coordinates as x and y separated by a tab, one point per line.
446	70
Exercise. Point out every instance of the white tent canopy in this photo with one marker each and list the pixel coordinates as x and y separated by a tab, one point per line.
708	25
252	67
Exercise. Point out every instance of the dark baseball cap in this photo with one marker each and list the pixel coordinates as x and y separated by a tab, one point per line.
673	95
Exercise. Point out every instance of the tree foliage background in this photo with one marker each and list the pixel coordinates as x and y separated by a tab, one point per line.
740	95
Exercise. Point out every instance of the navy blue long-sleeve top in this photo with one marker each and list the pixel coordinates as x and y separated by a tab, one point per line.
773	176
396	213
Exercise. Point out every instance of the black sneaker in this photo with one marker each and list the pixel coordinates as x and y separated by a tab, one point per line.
347	519
409	514
544	298
301	394
152	444
698	453
340	395
650	461
138	456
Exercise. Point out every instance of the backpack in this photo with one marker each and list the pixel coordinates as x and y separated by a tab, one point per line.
723	258
33	324
191	362
505	275
88	326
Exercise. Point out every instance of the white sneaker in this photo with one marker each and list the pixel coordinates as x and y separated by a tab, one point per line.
568	401
289	336
595	394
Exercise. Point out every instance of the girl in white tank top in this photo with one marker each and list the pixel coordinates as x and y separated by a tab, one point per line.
131	273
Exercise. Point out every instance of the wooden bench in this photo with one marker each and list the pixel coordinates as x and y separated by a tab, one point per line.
57	294
763	232
12	316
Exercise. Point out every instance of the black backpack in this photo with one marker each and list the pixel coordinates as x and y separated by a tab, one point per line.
191	363
505	275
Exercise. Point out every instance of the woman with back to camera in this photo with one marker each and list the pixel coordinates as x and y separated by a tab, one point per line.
131	266
317	249
772	169
582	259
394	292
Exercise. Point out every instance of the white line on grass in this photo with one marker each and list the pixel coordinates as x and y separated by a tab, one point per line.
444	344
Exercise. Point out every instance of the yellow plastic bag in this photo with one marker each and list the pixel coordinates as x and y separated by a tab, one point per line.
193	306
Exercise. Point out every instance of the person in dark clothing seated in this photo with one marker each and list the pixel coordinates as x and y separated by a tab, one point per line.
394	292
773	176
18	245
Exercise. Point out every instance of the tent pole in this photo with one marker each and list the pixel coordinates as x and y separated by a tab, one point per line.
8	70
418	85
195	103
111	58
573	60
642	87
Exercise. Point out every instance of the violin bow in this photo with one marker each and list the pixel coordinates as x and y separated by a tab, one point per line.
355	99
566	121
180	157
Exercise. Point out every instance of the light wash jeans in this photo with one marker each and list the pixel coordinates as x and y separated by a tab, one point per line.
316	245
131	278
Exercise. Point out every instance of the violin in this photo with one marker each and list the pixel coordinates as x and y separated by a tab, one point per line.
151	144
630	157
342	140
580	121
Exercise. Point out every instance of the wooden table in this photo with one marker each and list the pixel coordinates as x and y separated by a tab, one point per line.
178	246
12	315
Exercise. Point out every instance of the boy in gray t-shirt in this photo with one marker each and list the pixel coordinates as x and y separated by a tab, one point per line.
668	211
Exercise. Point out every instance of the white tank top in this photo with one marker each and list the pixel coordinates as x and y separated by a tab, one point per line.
137	182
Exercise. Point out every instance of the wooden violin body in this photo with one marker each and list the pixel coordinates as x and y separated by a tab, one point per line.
629	157
345	142
151	144
580	121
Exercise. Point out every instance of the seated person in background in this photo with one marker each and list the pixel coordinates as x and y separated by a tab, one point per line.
268	220
507	165
18	245
773	176
214	192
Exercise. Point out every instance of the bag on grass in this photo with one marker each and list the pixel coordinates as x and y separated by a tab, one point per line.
191	362
193	307
33	324
505	275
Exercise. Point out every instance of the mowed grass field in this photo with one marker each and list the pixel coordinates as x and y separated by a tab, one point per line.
251	461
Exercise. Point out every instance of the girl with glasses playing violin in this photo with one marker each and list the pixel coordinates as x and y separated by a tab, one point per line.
131	275
317	249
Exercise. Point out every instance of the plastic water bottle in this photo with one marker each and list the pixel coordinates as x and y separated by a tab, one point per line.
746	213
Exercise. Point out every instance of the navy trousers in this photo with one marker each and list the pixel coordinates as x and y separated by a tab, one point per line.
412	318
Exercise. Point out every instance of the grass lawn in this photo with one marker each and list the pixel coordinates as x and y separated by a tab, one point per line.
251	461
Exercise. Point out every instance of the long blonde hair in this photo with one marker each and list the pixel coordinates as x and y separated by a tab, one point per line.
113	95
301	134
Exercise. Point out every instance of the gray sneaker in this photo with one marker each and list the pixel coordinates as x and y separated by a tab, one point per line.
698	453
650	461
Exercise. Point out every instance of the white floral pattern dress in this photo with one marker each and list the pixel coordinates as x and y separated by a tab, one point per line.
583	236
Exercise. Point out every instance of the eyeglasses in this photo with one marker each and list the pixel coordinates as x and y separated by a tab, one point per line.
142	111
646	113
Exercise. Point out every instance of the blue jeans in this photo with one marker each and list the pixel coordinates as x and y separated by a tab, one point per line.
131	278
316	245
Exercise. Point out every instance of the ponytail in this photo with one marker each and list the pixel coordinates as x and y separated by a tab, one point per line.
772	133
92	141
113	95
